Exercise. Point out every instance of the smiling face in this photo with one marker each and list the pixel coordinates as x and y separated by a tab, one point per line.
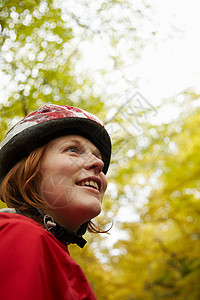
72	182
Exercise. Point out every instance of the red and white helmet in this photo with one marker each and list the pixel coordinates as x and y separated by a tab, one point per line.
46	123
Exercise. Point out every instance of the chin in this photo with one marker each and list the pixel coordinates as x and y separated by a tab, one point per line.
89	215
95	210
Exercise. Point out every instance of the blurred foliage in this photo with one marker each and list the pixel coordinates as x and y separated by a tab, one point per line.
160	259
36	52
40	44
154	171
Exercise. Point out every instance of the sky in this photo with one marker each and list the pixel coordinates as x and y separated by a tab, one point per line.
169	65
175	63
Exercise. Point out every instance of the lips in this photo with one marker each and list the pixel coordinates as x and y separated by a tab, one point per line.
93	182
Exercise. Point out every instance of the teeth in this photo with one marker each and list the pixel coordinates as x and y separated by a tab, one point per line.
91	183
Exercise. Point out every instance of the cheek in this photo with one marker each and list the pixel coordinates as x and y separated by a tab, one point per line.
57	190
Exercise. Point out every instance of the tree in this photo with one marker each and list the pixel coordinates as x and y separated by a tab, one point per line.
160	259
36	52
40	51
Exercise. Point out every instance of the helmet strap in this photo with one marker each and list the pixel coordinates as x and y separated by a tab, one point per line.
62	233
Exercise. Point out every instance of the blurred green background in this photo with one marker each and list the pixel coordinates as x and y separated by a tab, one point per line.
153	196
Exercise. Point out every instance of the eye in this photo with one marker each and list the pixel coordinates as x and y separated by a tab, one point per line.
72	149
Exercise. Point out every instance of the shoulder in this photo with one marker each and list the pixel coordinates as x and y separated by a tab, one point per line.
26	240
29	254
19	233
25	232
12	221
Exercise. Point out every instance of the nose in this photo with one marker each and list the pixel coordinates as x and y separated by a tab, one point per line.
93	162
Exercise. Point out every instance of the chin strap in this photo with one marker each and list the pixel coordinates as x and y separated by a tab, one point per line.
71	237
63	234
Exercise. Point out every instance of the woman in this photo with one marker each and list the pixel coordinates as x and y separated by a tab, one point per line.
52	174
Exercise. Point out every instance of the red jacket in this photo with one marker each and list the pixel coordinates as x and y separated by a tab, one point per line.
34	265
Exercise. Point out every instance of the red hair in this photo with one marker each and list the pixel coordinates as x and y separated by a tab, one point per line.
20	189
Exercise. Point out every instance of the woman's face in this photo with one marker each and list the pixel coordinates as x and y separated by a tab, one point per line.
72	181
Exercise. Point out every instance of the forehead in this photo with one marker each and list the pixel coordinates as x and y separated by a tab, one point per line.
74	139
